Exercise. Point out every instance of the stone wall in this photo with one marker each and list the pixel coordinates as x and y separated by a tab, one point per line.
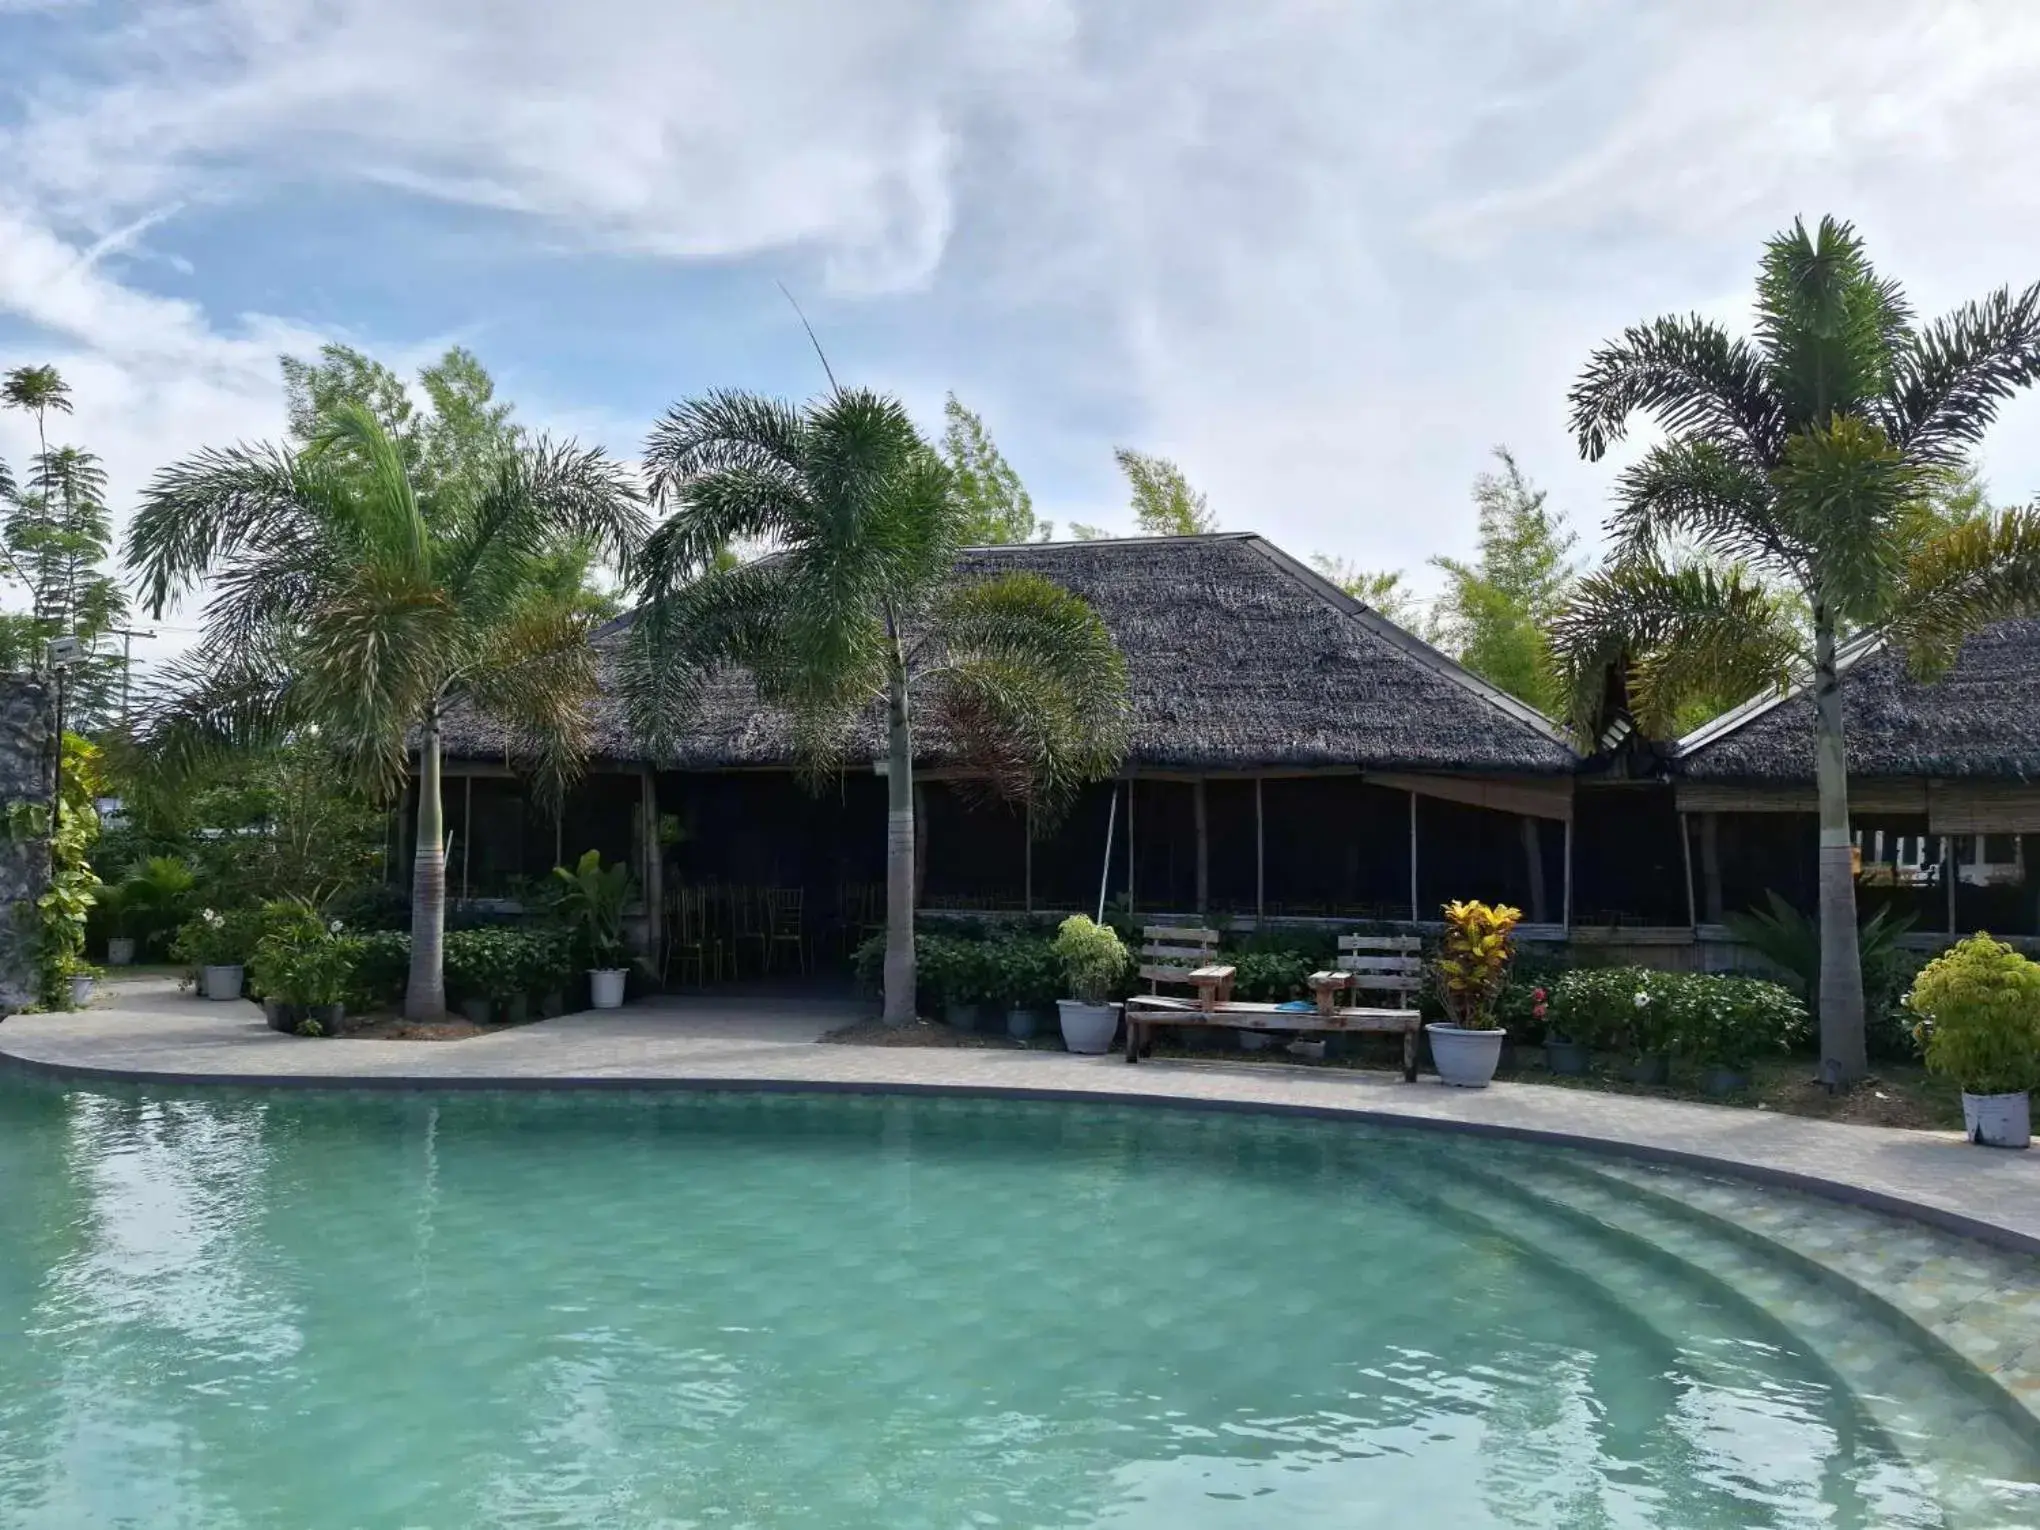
27	774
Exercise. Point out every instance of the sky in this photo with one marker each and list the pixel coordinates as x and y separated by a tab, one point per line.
1327	254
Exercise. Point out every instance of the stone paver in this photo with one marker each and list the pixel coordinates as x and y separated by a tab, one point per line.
146	1031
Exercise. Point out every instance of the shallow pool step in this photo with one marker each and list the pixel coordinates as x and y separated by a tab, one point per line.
1982	1303
1680	1271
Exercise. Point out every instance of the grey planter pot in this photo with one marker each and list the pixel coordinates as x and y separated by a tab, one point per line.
281	1017
516	1009
553	1003
960	1017
1087	1028
478	1011
1569	1059
1724	1081
1998	1120
1465	1059
120	951
1654	1069
1022	1023
328	1017
222	983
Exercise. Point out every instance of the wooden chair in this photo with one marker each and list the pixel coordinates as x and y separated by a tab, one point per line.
1381	964
689	937
747	925
1185	958
784	925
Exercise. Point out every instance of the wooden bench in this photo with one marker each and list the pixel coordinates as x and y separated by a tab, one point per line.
1367	964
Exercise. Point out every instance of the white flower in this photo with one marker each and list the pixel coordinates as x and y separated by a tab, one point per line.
336	926
1642	999
212	919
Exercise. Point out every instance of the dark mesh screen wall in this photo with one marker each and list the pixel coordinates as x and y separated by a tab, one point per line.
1164	846
1336	846
976	854
1476	852
1628	865
1069	858
1229	822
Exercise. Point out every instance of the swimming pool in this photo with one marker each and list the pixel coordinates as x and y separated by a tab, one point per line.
249	1309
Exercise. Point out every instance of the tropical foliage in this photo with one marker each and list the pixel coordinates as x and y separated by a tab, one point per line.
854	610
1799	477
1979	1009
1092	957
53	550
1473	960
994	504
361	587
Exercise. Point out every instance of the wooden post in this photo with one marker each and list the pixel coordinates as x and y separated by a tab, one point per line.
1568	877
1686	860
1260	857
1129	843
1533	851
920	841
467	831
655	871
1710	866
1948	874
1413	857
1203	846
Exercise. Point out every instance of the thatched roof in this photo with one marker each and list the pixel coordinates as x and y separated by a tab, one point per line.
1981	719
1238	656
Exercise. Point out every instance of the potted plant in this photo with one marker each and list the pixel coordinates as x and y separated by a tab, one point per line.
1028	970
1652	1025
83	976
592	899
1093	961
1583	1009
1728	1022
116	902
1471	967
552	969
217	945
964	984
468	973
1979	1014
302	969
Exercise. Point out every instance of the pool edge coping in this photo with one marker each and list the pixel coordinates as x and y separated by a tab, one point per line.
1846	1192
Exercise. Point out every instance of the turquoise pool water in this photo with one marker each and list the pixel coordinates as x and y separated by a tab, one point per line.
300	1310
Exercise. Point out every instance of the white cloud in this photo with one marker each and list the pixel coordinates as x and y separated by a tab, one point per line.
1325	252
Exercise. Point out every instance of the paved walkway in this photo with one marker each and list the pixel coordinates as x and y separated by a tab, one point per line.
146	1031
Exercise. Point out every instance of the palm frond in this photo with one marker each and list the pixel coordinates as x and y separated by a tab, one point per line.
544	497
1689	375
1845	490
1948	382
1699	491
1677	631
197	712
680	637
1976	572
1027	689
536	674
721	432
246	503
384	510
372	657
1830	327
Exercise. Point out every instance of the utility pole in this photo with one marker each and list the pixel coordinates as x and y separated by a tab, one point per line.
127	636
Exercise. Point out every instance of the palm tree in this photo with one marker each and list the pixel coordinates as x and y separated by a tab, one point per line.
854	609
347	601
1792	506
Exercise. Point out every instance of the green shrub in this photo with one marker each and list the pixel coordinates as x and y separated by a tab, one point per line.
1092	957
1591	1005
1271	976
1979	1006
1728	1021
1020	971
218	937
299	957
381	968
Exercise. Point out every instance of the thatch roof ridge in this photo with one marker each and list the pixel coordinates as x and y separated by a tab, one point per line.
1238	656
1981	719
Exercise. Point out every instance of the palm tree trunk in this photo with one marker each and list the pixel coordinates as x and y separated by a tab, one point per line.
425	989
899	855
1842	1052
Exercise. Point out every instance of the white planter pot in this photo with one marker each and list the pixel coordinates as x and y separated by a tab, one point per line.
1465	1059
1998	1120
1087	1027
120	951
221	982
81	990
605	986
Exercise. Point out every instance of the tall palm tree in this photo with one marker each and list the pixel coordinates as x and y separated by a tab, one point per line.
854	609
344	599
1800	468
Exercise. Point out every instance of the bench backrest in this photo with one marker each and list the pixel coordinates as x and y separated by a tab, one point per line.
1383	963
1168	953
